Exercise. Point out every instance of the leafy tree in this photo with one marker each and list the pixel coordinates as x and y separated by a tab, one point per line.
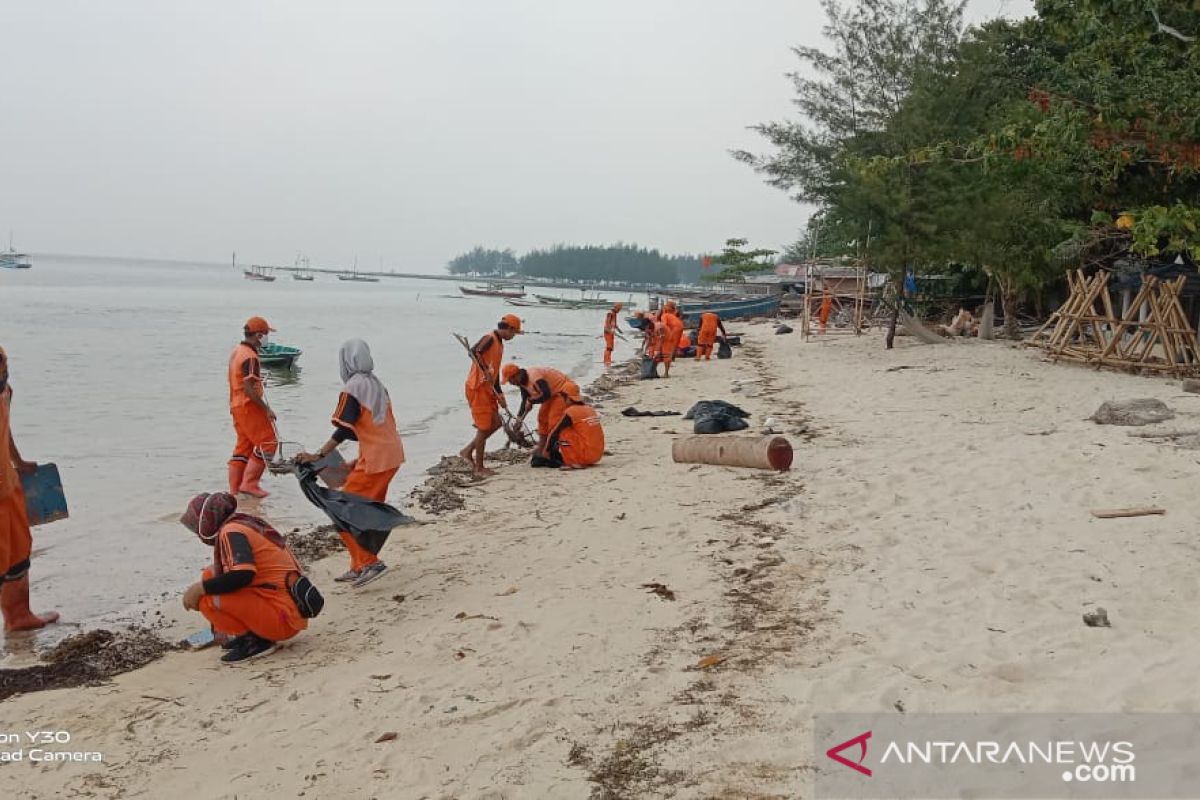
482	261
737	263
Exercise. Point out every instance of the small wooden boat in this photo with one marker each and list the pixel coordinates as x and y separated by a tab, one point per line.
354	276
257	273
278	355
511	290
11	259
302	271
512	301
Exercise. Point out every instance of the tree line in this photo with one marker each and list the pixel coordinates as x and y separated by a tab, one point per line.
625	263
1017	148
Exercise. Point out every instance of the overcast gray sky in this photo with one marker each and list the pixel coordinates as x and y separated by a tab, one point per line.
404	130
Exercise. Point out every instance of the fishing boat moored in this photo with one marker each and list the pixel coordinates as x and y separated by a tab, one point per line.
494	289
11	259
257	273
278	355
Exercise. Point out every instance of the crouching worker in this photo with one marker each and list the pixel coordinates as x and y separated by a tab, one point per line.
576	440
541	386
246	593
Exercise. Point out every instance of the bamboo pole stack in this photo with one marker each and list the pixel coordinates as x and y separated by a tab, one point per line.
1153	333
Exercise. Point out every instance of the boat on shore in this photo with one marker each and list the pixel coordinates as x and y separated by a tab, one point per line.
736	308
494	289
278	355
11	259
512	301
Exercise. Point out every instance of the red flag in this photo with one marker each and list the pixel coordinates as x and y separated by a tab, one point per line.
706	262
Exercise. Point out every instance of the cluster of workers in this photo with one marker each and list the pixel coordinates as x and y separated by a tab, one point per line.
248	593
664	337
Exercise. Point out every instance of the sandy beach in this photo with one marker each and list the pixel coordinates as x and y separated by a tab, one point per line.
930	550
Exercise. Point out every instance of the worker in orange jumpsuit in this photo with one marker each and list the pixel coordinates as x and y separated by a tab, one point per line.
253	419
549	388
610	330
706	336
576	439
16	541
364	414
823	315
672	330
652	335
244	594
483	389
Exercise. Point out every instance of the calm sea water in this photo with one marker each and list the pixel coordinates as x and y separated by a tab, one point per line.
119	376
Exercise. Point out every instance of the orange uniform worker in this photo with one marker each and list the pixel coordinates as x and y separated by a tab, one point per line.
483	389
16	541
610	330
652	335
364	414
549	388
672	330
253	419
244	594
826	308
706	335
576	440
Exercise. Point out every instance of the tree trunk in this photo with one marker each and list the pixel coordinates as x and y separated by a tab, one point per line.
891	332
1008	301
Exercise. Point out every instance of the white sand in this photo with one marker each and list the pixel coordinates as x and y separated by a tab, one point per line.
932	546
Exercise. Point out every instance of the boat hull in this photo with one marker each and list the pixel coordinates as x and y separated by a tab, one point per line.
491	292
726	309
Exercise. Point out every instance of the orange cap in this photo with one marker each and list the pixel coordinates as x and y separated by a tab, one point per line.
512	321
618	306
508	372
258	325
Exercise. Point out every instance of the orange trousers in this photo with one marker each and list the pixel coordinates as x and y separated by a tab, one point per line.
16	542
704	350
254	432
551	410
269	613
485	408
373	486
609	340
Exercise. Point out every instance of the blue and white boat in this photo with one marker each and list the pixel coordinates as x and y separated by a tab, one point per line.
11	259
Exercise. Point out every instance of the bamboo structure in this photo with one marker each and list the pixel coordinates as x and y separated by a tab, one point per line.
1152	334
846	306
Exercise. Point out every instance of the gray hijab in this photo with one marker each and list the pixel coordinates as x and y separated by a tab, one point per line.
357	373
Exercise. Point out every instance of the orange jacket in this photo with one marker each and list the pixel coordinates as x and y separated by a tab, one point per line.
490	350
379	446
243	365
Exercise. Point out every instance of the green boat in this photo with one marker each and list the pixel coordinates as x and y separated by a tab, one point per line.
278	355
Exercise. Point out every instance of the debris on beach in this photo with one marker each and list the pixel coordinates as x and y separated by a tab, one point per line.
1136	511
86	659
659	589
1142	411
1097	618
313	545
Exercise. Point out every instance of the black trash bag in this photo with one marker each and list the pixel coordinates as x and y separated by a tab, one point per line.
723	348
781	328
368	521
735	340
649	368
717	416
